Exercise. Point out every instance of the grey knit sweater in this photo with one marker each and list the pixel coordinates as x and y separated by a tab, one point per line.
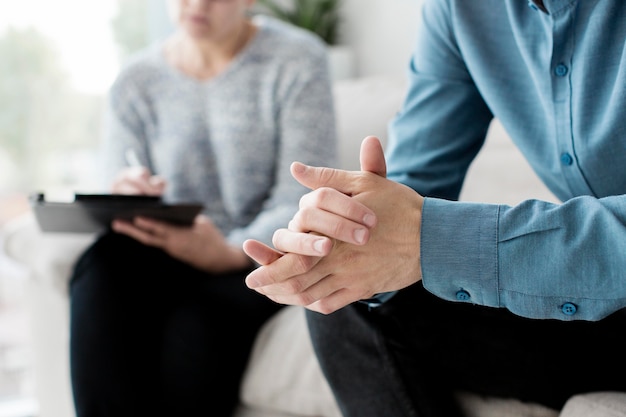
228	142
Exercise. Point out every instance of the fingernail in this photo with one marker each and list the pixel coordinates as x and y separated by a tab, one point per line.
359	235
318	245
298	167
251	282
369	220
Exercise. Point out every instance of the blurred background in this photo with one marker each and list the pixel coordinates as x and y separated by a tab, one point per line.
57	61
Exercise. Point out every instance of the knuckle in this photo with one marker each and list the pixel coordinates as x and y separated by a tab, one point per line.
276	237
294	286
303	217
280	239
298	219
324	306
305	299
337	229
306	199
351	257
323	194
327	174
354	212
303	264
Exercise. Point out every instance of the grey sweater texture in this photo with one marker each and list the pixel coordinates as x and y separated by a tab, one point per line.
228	142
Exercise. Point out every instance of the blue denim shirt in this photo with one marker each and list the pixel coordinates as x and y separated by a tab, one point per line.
557	82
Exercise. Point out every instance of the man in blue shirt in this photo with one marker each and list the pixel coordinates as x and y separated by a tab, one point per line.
422	295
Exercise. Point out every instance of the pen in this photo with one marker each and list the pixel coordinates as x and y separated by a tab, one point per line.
154	181
131	158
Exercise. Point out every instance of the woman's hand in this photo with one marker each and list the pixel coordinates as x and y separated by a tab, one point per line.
201	245
138	180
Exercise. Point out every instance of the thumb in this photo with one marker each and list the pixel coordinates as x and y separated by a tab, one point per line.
317	177
372	160
373	156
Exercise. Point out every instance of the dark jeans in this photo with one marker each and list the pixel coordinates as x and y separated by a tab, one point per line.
151	336
409	356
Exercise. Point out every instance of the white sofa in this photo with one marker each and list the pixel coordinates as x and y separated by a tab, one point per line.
283	378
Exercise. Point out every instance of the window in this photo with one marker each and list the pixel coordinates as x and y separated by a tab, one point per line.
59	58
57	61
53	76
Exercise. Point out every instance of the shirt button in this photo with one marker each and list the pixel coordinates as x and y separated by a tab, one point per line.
462	295
560	70
569	309
566	159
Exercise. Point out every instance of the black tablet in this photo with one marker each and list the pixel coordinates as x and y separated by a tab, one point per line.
89	213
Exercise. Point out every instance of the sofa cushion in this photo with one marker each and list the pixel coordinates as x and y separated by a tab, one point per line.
286	376
474	405
596	404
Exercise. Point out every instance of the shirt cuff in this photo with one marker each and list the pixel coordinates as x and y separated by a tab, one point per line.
459	251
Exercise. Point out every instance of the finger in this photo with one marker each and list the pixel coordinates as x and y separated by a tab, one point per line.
136	233
324	305
333	201
372	156
125	186
301	290
153	227
317	177
148	186
132	187
282	269
284	293
372	159
157	181
260	252
323	223
138	180
300	243
333	302
157	185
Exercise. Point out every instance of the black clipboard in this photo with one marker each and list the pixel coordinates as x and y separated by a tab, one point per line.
91	213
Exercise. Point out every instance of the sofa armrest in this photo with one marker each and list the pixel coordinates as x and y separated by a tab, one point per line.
49	257
596	404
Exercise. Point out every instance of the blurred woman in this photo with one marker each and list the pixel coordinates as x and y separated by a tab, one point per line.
161	320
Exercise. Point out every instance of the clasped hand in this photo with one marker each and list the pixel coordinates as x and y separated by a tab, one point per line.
355	235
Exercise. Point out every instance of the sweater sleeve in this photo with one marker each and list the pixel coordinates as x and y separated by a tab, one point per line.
307	133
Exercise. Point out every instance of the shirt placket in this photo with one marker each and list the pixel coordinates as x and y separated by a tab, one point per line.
561	75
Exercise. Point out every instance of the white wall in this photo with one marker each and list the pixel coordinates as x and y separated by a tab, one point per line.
382	34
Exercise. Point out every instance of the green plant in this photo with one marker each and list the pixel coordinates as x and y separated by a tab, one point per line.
319	16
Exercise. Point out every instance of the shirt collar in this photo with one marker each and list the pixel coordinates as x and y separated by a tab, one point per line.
538	5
